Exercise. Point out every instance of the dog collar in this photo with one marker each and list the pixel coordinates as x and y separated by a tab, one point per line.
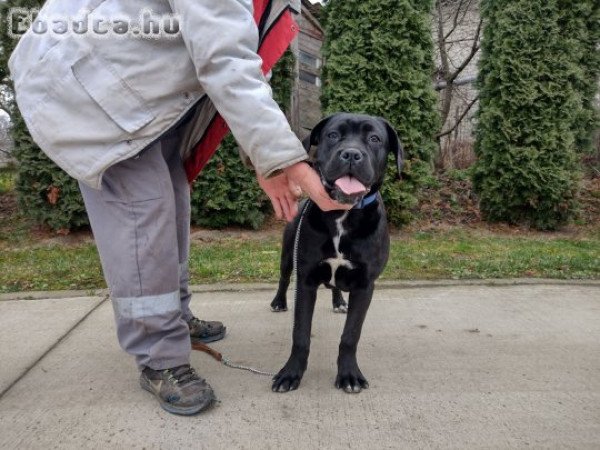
366	201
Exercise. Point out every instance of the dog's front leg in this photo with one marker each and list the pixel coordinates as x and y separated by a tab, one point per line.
337	299
349	376
289	377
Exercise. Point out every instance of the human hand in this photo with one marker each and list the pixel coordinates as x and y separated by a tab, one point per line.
285	189
283	194
304	176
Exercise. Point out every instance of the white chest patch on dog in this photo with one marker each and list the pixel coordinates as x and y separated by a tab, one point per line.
339	260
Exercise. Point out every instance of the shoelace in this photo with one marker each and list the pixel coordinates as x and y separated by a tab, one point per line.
197	322
182	375
201	324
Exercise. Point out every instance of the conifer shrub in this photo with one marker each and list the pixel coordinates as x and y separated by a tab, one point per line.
379	60
580	24
527	169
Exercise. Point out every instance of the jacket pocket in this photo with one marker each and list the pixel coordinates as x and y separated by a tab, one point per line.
136	179
80	111
118	100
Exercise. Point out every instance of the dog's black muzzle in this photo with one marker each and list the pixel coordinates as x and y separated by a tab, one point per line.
351	156
347	162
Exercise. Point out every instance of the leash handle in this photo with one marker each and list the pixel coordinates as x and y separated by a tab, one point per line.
206	349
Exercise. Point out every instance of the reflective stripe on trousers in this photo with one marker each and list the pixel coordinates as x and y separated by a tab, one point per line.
141	224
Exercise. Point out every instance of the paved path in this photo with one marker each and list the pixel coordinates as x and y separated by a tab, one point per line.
458	366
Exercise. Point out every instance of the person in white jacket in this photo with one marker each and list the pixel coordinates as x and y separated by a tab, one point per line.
133	111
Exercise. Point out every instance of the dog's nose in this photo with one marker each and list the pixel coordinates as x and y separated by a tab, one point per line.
351	155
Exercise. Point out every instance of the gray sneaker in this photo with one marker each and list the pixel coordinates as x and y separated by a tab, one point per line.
204	331
179	390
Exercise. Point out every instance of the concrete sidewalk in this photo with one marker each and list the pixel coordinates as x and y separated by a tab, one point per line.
457	366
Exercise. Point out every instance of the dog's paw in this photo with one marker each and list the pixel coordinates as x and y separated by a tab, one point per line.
351	381
340	305
278	305
341	309
288	379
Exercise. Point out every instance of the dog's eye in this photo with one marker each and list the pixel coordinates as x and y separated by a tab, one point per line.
333	135
374	138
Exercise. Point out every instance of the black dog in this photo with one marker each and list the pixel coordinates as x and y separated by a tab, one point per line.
344	250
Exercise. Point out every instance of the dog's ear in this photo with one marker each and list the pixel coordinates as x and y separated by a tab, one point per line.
394	146
315	134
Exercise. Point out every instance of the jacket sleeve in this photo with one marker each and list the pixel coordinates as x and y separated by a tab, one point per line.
222	39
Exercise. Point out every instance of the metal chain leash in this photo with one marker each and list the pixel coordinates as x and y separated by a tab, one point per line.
218	356
295	251
228	363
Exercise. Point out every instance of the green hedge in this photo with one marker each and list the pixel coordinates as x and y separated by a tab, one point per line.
527	170
45	193
226	193
379	60
580	24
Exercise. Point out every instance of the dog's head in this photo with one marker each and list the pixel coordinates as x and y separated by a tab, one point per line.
352	153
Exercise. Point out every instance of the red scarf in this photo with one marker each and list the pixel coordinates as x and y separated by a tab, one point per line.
271	48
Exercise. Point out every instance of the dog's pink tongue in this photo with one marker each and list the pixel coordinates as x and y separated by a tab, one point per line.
350	185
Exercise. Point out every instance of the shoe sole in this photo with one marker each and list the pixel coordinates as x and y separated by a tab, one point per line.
180	411
213	338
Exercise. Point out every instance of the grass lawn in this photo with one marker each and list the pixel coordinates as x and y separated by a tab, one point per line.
31	263
34	259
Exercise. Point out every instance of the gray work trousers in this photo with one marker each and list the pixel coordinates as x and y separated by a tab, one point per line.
141	224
